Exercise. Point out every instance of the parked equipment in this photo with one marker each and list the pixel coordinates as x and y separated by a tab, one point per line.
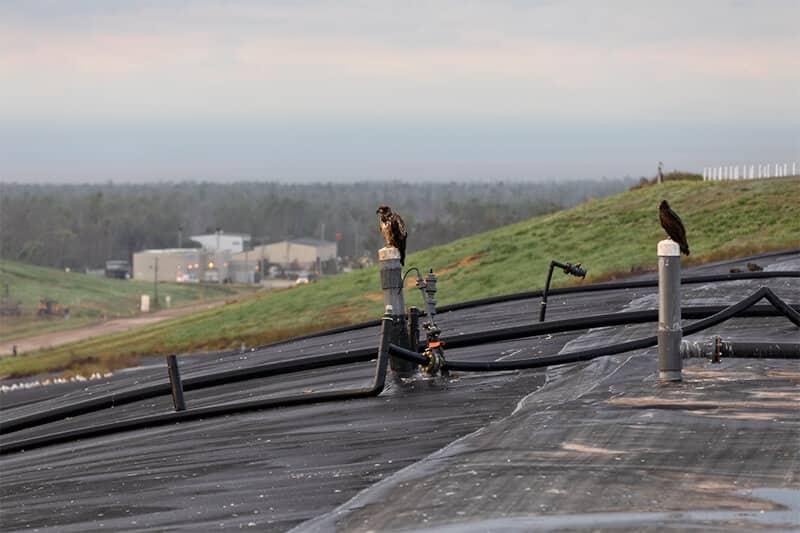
51	308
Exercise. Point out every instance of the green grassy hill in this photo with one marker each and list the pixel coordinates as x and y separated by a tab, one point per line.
611	237
89	298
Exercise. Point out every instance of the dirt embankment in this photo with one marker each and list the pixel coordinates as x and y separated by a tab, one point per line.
116	325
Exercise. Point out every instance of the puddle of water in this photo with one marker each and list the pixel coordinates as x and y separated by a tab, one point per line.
779	520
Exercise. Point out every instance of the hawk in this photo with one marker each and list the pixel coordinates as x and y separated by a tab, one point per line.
393	230
673	225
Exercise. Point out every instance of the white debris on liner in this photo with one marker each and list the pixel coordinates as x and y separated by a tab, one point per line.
52	381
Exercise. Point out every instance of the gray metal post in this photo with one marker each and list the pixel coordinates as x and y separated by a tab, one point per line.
392	285
175	383
669	311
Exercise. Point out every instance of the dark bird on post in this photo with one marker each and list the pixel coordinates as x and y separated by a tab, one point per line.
393	230
673	225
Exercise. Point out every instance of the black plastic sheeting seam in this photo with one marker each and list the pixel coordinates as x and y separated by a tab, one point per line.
378	383
202	381
600	351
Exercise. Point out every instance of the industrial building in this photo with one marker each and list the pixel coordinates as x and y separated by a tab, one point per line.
186	265
223	242
302	254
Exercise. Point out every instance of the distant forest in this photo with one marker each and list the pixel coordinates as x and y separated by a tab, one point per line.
82	226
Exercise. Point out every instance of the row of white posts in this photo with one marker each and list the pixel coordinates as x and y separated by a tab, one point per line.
745	172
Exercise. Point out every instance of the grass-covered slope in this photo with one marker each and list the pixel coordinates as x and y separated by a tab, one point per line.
609	236
89	298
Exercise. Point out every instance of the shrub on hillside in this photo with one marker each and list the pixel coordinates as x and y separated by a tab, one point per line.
670	176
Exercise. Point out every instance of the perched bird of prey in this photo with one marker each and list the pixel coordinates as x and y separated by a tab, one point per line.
393	229
673	225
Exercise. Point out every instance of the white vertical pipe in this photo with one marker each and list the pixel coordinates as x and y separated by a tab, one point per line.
669	311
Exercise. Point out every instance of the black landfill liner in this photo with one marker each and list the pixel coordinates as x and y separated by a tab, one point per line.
277	469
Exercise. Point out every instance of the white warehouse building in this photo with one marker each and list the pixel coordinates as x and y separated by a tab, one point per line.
223	242
302	253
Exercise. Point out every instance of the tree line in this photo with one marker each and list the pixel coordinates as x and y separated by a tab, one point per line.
82	226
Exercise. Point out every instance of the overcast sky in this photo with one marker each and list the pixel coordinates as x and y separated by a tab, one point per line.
314	90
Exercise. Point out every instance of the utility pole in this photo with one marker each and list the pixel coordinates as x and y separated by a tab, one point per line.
155	282
180	236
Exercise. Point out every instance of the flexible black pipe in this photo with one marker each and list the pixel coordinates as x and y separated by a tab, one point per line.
594	287
380	374
202	381
408	355
190	383
592	353
594	321
374	389
739	349
759	350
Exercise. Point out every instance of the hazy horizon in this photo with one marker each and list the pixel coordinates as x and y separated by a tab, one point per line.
347	91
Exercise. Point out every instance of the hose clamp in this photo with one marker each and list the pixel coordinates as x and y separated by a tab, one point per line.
717	357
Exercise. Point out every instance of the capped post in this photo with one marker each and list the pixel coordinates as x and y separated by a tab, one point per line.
175	383
669	311
392	285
